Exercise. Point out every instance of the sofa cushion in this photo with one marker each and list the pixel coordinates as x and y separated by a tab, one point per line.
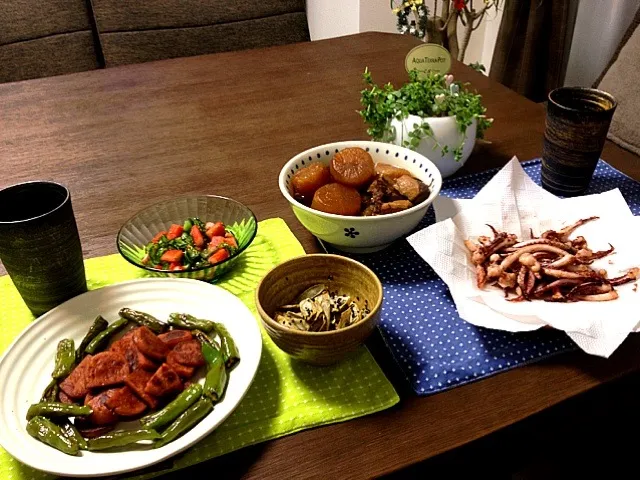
30	19
47	56
133	32
118	16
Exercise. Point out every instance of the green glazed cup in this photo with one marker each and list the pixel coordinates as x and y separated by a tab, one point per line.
39	244
576	128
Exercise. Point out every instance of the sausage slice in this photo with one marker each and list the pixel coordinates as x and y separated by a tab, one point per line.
184	371
188	353
102	414
107	368
137	381
123	343
75	384
135	357
64	398
174	337
87	431
164	382
149	344
125	403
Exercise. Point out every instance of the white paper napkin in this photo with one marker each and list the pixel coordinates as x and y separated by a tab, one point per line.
512	202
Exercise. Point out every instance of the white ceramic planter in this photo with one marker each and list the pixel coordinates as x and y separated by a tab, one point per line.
445	132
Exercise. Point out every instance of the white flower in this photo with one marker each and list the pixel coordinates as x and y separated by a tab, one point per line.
440	98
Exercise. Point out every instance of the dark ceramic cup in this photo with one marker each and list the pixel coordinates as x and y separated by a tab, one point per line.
39	244
576	128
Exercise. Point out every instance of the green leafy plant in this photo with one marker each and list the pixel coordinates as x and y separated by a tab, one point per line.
425	95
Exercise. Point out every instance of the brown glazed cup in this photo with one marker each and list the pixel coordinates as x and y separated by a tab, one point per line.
39	244
286	281
576	128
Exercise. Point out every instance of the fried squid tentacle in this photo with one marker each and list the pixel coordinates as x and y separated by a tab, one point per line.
599	297
563	233
542	241
630	276
508	261
481	276
556	284
551	267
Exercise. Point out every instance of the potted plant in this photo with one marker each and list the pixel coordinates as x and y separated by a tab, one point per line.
431	114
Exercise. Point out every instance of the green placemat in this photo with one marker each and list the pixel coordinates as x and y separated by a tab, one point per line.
285	397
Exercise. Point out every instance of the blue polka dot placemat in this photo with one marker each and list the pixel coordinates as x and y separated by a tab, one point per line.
434	347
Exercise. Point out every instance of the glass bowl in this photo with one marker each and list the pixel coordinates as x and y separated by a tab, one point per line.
140	229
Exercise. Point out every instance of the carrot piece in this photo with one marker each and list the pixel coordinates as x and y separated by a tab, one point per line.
196	234
230	240
172	256
158	236
175	231
219	256
216	242
217	230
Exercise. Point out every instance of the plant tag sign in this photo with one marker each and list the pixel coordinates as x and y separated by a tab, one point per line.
429	57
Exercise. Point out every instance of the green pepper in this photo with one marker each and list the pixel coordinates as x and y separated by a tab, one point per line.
144	319
187	225
64	363
103	337
174	409
153	249
121	438
216	379
227	345
57	409
98	326
65	359
50	393
48	432
184	320
204	338
72	433
192	254
185	422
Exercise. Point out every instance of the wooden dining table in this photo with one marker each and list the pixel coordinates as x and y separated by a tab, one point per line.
126	137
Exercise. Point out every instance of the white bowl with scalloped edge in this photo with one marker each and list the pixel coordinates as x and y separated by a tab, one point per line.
357	234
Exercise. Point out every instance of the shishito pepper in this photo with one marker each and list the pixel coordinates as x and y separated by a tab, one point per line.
48	432
65	359
228	346
51	391
72	433
144	319
103	337
121	438
216	380
64	363
57	409
97	327
185	422
189	322
174	409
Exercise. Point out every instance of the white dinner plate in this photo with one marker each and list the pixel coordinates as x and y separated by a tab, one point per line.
25	368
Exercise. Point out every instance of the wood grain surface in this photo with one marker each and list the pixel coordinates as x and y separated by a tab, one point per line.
127	137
